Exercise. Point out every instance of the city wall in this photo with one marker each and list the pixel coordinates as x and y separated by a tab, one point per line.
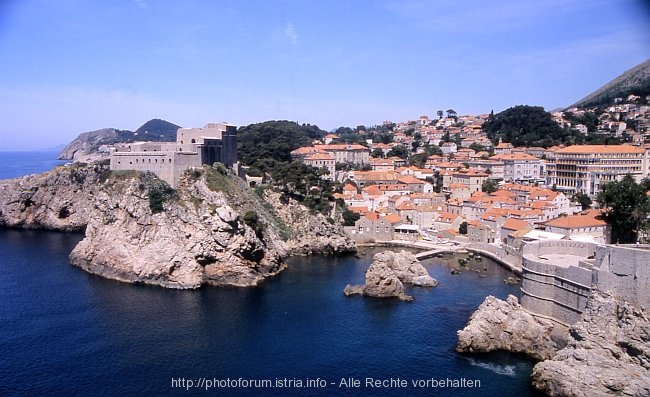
559	291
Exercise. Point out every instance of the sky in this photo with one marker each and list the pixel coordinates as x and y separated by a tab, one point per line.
70	66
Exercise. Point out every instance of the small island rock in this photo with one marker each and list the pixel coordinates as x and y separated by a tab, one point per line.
505	325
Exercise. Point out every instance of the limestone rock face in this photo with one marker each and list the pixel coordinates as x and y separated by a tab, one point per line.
505	325
61	199
188	244
407	268
608	354
382	282
311	233
195	236
387	273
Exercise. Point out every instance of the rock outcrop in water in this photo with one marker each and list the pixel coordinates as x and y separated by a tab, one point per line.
505	325
608	354
139	230
387	273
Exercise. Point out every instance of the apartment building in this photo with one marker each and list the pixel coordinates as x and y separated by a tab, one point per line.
584	168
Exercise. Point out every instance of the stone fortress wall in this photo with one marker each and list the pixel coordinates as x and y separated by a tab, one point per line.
216	142
557	277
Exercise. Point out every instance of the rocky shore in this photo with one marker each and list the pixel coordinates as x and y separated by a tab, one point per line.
505	325
139	230
387	274
607	352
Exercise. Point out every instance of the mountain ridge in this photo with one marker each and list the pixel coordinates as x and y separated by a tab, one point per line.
86	145
633	81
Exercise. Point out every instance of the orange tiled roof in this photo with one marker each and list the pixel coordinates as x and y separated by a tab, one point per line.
603	149
575	222
515	224
393	218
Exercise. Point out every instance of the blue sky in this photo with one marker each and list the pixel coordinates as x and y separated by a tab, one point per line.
69	66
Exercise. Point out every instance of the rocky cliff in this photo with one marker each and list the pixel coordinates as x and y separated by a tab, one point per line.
505	325
61	199
608	354
140	230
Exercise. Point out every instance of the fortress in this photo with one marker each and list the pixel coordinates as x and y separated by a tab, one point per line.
557	277
194	147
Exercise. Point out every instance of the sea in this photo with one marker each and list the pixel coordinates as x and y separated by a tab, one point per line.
66	332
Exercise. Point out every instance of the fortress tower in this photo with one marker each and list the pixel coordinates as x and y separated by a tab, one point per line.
194	147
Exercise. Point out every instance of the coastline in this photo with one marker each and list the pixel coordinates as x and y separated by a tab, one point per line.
495	253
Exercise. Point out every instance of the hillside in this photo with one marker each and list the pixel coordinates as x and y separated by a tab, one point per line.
85	147
274	140
634	81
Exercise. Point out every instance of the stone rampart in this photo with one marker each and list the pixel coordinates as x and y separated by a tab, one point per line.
625	272
557	277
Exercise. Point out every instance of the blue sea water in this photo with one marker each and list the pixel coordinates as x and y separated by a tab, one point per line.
66	332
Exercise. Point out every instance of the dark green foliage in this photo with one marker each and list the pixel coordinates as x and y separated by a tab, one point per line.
420	159
477	147
526	126
588	119
350	217
462	229
398	151
274	140
489	186
583	199
157	130
159	192
78	176
377	153
253	221
625	208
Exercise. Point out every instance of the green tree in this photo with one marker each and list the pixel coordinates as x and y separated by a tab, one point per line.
489	186
398	151
625	207
462	229
584	200
350	217
526	126
377	153
274	140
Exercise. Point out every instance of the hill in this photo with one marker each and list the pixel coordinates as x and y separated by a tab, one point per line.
274	140
635	81
157	130
525	126
86	146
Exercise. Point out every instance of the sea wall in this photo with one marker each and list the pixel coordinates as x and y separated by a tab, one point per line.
559	288
558	291
624	272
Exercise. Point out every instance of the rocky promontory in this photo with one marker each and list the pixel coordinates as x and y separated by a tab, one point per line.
608	353
61	199
85	147
210	230
387	274
505	325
